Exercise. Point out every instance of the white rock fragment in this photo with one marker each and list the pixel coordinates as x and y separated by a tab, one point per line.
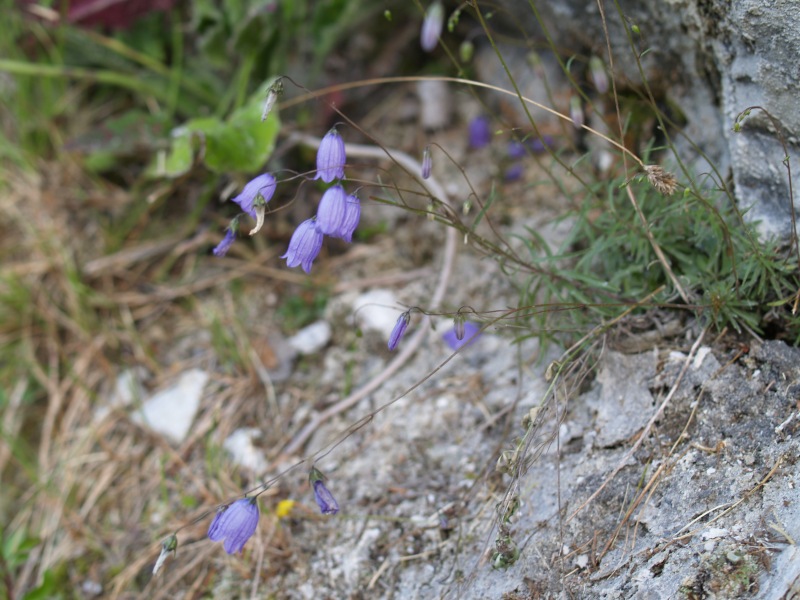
700	357
127	390
244	452
714	533
171	411
312	338
436	104
377	310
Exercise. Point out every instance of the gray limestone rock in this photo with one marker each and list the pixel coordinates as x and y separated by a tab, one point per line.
713	59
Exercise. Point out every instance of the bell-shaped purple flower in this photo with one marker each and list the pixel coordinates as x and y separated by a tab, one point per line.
263	185
399	329
516	149
222	248
480	132
469	334
427	162
352	215
325	500
235	524
331	211
304	246
514	172
432	26
331	157
230	236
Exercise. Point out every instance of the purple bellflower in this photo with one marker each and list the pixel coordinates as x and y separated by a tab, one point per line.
304	246
352	215
325	500
480	132
331	211
263	185
516	149
230	236
235	524
514	172
469	334
427	162
399	329
432	26
331	157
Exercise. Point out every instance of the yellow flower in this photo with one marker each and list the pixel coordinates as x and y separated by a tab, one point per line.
284	508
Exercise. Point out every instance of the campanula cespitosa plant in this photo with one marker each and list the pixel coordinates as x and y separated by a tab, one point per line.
325	500
331	157
235	524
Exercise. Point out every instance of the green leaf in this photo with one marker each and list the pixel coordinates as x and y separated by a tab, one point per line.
241	143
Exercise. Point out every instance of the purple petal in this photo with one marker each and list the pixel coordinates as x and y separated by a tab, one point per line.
325	500
516	149
514	172
432	26
352	216
236	524
304	246
471	333
226	243
480	133
427	162
399	330
331	211
331	157
263	185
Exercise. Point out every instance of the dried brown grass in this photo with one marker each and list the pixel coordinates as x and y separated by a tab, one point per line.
97	491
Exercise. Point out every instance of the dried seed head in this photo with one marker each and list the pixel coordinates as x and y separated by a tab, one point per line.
664	181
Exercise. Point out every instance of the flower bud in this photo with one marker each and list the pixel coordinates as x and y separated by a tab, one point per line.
432	26
427	162
325	500
399	329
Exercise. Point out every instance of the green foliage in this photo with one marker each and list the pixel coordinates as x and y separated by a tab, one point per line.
608	261
299	310
239	143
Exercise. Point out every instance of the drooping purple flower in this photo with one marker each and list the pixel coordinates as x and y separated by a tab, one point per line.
432	26
470	334
331	211
325	500
514	172
538	146
516	149
263	185
235	524
427	162
226	243
331	157
304	246
352	215
480	132
399	329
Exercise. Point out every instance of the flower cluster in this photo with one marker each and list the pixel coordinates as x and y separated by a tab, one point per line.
337	216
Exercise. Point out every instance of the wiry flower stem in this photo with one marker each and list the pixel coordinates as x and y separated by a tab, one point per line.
410	347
